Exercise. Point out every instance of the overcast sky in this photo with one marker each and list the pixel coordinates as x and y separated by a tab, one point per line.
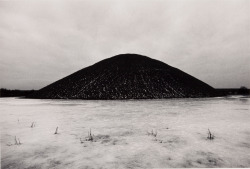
43	41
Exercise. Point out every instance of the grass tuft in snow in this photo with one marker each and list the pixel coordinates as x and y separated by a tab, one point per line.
17	141
152	133
32	125
81	141
210	136
90	137
56	132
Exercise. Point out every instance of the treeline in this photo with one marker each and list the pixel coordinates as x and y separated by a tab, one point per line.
241	91
220	92
15	93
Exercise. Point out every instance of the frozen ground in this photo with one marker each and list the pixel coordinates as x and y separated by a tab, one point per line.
120	133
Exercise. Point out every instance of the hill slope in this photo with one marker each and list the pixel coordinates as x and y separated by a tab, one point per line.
126	76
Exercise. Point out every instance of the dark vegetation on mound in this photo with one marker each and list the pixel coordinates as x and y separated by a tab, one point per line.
126	76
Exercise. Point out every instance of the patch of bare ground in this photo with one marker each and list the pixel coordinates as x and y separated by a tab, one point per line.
202	159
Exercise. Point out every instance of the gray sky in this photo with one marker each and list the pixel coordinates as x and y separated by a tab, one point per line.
43	41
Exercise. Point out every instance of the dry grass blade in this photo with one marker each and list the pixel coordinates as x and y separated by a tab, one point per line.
56	132
210	135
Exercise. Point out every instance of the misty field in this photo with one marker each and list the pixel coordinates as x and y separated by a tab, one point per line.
125	134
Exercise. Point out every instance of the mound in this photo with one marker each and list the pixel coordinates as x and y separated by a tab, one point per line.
126	76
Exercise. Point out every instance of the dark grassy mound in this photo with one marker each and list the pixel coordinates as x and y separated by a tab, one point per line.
126	76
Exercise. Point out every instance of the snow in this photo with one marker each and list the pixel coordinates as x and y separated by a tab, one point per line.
120	131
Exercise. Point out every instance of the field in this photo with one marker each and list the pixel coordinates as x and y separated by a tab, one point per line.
125	134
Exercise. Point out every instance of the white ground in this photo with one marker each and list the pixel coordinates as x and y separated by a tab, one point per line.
120	133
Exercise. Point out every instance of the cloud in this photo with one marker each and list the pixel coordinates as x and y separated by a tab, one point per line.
43	41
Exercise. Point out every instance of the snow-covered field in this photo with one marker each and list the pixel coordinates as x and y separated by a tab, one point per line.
122	133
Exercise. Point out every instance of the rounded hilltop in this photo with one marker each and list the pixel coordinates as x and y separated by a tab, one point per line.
127	61
126	76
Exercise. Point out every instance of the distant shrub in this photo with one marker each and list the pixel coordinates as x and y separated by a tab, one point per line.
243	90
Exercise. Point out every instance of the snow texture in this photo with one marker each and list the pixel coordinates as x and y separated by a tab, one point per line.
124	133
